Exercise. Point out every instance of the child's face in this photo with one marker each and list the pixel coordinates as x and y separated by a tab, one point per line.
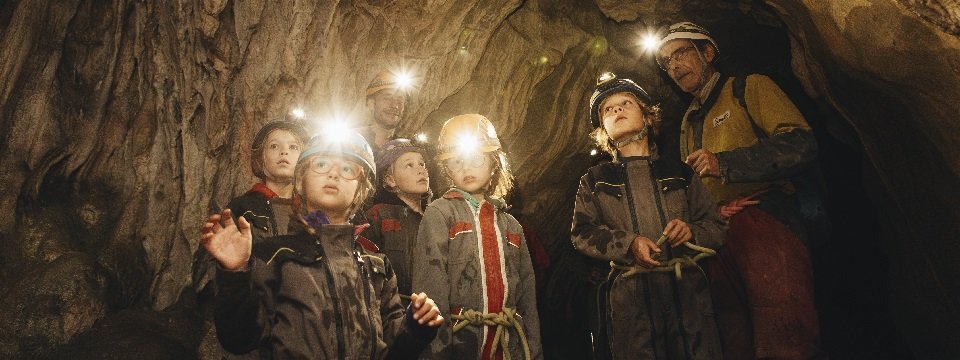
622	114
330	183
471	173
280	152
409	174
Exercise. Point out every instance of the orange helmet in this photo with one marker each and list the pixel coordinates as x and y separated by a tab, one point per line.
386	80
467	133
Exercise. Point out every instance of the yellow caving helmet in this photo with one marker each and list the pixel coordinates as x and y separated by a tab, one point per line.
467	133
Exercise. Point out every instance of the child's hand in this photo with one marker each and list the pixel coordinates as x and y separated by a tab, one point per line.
642	248
229	243
678	232
425	311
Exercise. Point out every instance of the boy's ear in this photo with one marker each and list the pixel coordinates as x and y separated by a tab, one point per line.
370	103
389	181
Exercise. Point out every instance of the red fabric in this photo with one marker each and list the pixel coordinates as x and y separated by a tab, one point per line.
539	258
514	239
453	195
374	212
262	189
388	225
459	228
491	272
358	229
762	287
367	244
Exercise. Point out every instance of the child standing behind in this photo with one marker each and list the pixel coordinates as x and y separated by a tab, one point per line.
267	206
394	220
321	292
471	256
651	219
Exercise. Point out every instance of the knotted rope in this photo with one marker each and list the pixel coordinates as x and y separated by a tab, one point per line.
502	320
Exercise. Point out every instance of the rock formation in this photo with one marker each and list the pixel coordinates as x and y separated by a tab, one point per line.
124	123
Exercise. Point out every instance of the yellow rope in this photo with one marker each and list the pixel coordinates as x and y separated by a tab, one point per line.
675	265
503	319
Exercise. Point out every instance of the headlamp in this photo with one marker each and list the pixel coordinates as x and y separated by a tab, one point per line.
467	144
298	113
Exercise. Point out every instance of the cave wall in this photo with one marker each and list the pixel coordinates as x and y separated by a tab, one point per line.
895	77
124	123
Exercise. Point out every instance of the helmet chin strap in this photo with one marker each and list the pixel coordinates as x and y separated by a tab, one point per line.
703	61
635	137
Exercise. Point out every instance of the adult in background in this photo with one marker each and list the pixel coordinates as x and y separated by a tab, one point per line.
745	139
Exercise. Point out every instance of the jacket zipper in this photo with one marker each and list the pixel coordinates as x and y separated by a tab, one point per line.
273	218
646	284
673	281
366	283
341	343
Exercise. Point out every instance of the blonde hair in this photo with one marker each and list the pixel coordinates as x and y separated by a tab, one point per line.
365	189
502	180
651	115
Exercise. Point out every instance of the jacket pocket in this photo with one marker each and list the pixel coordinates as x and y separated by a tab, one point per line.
459	232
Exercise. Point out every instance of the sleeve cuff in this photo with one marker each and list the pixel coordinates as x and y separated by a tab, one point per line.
225	276
722	164
423	333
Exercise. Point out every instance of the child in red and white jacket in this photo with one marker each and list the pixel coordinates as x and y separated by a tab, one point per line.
470	253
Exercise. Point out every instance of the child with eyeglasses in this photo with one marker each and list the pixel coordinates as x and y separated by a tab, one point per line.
321	292
471	254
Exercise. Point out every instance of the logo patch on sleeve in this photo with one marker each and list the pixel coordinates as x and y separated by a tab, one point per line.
720	119
388	225
514	239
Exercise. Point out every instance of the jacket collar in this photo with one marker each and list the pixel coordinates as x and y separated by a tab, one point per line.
262	189
455	193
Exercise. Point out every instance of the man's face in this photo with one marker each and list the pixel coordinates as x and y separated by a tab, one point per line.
679	58
387	107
